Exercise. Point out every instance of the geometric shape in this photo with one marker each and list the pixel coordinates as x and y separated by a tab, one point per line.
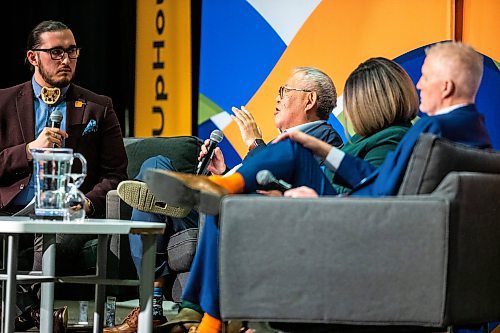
285	16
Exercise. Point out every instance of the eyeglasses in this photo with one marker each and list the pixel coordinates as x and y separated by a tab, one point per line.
283	90
57	53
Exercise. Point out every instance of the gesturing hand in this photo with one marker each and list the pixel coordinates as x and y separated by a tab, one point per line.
217	165
248	127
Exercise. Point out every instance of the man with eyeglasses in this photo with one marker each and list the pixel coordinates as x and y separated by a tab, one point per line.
303	103
89	126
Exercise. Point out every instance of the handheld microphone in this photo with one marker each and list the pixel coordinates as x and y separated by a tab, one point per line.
55	121
267	179
215	137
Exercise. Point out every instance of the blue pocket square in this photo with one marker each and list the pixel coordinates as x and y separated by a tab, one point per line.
91	127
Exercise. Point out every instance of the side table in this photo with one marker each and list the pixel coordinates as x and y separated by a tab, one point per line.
12	227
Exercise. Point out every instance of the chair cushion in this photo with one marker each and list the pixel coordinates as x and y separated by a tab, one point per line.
181	248
181	150
433	158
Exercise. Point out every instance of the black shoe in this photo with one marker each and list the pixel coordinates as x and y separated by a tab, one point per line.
31	318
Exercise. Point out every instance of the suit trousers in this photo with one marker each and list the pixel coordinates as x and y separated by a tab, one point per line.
173	225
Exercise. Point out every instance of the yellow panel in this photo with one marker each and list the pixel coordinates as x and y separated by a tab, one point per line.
342	33
163	40
481	28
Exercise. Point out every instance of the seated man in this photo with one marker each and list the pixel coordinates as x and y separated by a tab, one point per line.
89	126
301	110
451	75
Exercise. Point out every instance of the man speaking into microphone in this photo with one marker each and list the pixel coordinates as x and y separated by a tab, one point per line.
304	102
50	111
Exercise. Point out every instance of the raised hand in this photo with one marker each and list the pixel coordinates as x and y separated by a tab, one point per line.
248	127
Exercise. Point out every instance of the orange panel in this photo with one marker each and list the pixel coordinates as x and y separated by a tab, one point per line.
481	28
342	33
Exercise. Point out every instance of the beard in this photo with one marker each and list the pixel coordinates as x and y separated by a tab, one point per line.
50	78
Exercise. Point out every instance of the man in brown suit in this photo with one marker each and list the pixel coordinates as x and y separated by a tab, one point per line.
89	126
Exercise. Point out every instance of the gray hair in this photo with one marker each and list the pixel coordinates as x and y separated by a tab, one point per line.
462	64
322	84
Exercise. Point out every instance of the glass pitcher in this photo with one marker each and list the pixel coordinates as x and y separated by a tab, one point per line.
52	169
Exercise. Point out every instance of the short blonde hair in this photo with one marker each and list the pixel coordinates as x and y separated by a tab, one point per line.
462	64
378	94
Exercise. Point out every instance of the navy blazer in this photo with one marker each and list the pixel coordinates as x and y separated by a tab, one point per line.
464	125
323	131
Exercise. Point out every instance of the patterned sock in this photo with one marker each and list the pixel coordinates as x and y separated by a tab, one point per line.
210	324
233	183
157	303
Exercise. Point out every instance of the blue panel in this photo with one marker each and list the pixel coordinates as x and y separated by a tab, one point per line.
238	51
332	120
488	100
231	157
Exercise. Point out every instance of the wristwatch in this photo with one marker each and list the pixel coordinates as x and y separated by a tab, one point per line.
256	143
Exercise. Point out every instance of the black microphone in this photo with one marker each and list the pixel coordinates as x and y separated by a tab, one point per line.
266	179
215	137
55	119
55	122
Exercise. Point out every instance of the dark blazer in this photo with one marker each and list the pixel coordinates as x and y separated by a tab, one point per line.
103	148
322	131
464	125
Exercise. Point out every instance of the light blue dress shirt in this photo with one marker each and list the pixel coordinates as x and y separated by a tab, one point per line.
42	120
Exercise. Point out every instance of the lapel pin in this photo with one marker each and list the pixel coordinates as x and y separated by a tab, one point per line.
78	104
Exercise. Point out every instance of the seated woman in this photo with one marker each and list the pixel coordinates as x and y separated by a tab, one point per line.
379	100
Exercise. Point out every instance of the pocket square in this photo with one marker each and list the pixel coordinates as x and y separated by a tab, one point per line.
91	127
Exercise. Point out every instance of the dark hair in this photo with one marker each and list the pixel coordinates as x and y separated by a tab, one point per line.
34	37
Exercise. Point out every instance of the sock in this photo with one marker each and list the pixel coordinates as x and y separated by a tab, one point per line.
157	303
192	306
233	183
210	324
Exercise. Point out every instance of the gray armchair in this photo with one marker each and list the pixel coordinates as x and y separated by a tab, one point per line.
183	151
428	257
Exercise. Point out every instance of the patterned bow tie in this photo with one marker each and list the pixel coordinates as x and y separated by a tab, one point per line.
50	95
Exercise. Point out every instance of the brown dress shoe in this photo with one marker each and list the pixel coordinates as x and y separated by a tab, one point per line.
31	318
186	190
129	324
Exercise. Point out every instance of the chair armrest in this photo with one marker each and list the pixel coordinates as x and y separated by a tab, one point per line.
334	260
112	205
116	208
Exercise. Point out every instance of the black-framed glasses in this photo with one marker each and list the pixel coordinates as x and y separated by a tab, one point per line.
283	90
57	53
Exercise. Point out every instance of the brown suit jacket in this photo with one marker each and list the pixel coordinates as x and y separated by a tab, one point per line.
103	148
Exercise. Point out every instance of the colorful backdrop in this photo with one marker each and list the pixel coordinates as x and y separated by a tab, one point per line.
248	48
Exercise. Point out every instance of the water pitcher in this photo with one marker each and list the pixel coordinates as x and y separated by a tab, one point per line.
52	170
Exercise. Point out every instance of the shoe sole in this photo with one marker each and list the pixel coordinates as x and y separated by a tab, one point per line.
137	195
174	191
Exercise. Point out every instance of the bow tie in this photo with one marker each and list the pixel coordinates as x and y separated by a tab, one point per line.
50	95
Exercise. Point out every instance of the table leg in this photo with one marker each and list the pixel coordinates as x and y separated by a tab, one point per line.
100	289
146	284
47	289
10	299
